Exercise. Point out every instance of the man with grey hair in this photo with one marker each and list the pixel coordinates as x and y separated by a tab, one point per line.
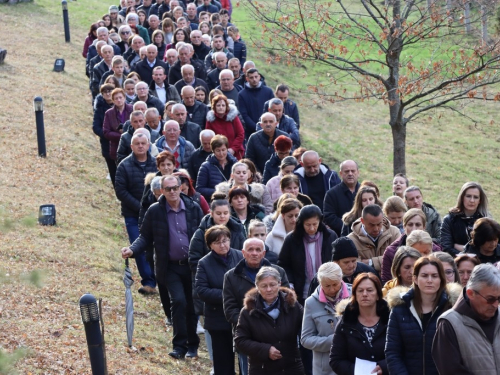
315	177
414	199
154	123
467	339
189	130
200	154
285	123
132	20
171	57
129	187
101	68
154	23
185	58
89	67
173	142
239	280
201	50
145	67
197	111
133	54
220	61
143	95
189	79
227	86
102	35
137	121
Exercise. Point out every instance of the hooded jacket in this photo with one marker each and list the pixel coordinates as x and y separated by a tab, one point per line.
330	178
256	332
409	346
237	283
317	328
349	342
230	126
211	174
186	149
366	248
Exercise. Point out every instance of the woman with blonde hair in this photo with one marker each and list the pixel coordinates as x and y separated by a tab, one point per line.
394	209
286	218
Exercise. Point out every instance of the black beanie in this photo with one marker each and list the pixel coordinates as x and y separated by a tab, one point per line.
343	247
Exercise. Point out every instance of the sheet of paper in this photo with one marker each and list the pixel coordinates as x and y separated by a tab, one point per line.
364	367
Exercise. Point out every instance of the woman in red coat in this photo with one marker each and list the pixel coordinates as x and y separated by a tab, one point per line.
223	119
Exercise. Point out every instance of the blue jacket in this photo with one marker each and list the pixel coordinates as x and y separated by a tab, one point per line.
271	168
260	148
240	51
330	178
211	174
408	347
290	109
186	149
100	108
250	104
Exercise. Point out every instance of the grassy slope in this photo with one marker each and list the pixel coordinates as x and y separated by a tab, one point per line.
80	254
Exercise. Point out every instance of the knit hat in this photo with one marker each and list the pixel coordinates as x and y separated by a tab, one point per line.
113	9
343	247
287	161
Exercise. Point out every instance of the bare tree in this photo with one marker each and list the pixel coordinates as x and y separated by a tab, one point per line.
363	43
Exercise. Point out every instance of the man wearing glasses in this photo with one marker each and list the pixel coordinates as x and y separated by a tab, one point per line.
467	339
168	226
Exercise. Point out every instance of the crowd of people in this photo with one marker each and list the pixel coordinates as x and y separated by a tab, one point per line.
292	267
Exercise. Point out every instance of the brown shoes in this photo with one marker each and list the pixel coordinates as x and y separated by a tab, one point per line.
147	290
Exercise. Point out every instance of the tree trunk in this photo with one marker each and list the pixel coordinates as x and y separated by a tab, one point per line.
484	23
399	146
467	17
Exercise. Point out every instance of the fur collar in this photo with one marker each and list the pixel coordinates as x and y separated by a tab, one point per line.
251	301
401	295
256	190
231	115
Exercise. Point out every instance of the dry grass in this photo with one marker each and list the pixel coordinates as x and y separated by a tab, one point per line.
80	254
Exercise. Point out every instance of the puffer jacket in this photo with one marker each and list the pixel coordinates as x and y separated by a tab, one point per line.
293	258
250	103
258	194
211	174
456	229
129	183
287	125
237	283
256	332
317	328
273	187
366	247
198	247
271	168
389	253
433	226
231	127
100	108
209	281
409	348
197	113
349	342
254	212
154	233
186	149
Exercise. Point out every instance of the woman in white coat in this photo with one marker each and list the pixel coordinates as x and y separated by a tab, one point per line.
288	210
319	321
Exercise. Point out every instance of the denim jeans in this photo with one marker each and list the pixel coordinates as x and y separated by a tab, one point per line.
147	275
243	364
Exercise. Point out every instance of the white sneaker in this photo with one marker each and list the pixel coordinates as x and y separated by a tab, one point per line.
212	371
199	329
108	177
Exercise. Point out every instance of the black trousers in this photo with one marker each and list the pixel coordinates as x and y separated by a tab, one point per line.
222	347
111	169
162	290
184	320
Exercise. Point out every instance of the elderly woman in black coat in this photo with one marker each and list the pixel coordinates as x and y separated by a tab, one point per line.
268	327
208	284
306	249
361	331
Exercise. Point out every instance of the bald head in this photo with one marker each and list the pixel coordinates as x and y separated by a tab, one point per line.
349	173
311	163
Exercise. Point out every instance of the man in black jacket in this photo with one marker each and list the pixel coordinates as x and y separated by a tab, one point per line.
185	58
129	186
145	67
189	130
143	95
239	280
220	61
201	154
168	226
260	146
197	111
340	198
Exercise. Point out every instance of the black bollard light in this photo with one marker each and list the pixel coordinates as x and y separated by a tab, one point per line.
90	318
65	19
40	130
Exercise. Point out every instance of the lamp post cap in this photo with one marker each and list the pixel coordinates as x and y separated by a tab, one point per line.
38	99
87	299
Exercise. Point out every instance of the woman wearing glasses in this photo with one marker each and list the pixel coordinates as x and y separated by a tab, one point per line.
208	285
413	318
268	327
450	269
